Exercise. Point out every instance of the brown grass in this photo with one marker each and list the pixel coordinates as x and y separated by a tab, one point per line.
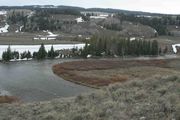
8	99
75	71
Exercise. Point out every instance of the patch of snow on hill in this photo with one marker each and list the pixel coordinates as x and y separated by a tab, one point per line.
4	29
98	17
3	12
132	38
155	31
175	47
79	20
51	34
19	30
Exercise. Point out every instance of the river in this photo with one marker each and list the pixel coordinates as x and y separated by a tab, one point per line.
34	81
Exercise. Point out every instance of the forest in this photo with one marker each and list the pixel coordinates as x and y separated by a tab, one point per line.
99	46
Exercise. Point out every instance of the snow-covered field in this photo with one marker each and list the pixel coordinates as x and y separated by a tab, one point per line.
35	48
4	29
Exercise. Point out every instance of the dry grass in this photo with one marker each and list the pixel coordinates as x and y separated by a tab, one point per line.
151	99
7	99
97	73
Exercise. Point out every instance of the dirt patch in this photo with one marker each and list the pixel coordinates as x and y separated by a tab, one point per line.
97	73
8	99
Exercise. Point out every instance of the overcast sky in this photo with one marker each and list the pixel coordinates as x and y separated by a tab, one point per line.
158	6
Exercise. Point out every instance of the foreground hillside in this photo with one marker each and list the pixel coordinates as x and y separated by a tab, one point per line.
156	98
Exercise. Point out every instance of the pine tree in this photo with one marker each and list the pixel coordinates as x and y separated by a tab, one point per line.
155	48
51	53
41	54
7	55
85	51
165	50
28	55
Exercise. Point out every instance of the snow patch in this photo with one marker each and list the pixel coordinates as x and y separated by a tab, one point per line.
79	20
51	36
174	47
3	12
89	56
132	38
4	29
30	14
19	30
99	17
155	31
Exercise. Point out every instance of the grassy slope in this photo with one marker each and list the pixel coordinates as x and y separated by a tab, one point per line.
152	99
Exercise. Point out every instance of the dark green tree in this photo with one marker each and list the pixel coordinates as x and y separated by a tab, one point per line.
155	48
51	53
28	55
7	55
41	54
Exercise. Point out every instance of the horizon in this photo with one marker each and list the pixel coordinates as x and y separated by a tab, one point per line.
151	6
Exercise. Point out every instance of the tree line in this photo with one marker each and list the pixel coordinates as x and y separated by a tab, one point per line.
39	55
158	23
99	46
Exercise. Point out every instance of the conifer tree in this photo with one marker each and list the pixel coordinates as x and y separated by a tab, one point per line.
7	55
51	53
41	54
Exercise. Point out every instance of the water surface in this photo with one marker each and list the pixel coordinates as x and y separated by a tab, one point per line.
35	81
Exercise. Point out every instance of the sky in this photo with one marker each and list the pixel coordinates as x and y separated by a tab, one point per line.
155	6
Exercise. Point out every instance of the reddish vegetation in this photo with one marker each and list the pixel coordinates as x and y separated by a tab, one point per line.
67	70
7	99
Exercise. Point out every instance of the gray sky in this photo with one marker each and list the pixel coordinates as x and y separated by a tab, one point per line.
160	6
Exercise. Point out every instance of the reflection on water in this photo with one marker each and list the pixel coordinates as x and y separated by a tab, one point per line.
35	81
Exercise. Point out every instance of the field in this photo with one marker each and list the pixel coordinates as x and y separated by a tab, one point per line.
27	39
98	73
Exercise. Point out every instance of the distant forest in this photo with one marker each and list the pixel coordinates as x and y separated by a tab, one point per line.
42	21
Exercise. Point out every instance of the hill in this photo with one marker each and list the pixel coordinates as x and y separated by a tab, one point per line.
156	98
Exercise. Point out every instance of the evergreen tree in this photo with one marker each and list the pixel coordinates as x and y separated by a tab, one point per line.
41	54
28	55
51	53
155	48
23	55
85	51
165	50
7	55
121	47
15	55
